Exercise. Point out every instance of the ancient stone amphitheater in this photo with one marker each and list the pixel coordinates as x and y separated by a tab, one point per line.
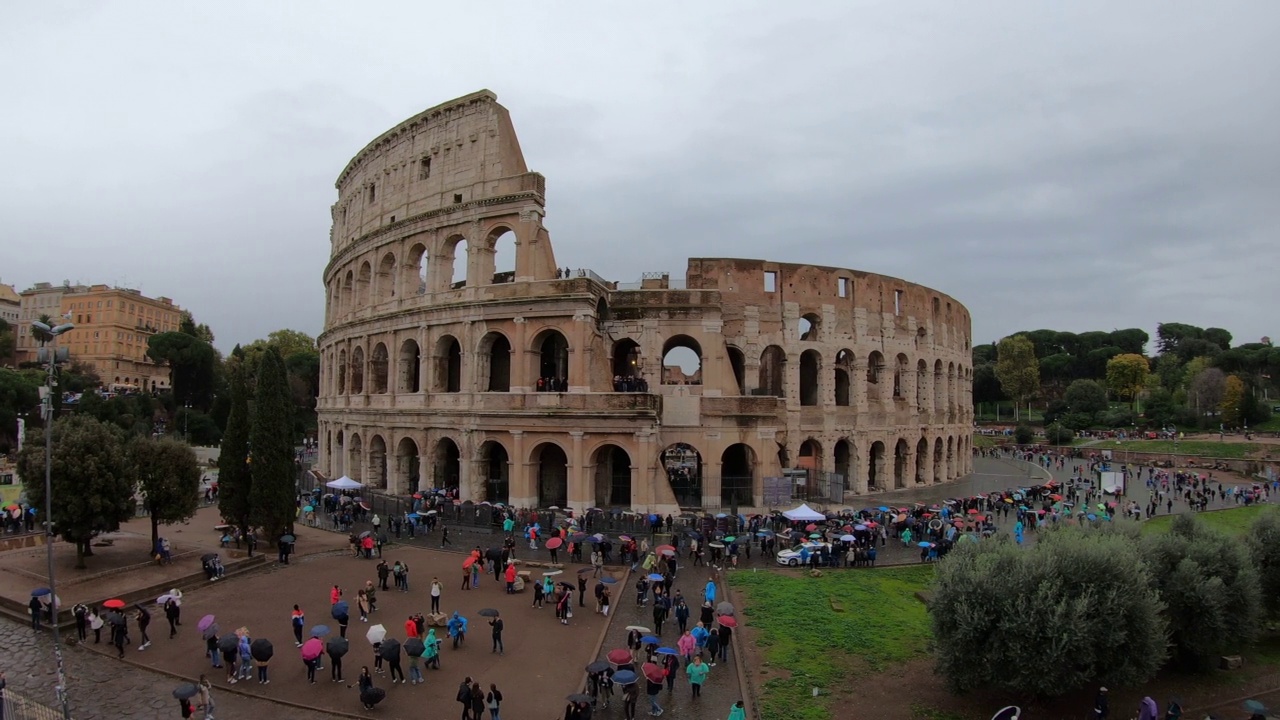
744	384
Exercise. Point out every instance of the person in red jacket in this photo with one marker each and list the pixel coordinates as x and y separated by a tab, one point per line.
511	578
410	628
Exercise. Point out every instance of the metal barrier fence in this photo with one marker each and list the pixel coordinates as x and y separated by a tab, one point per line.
20	707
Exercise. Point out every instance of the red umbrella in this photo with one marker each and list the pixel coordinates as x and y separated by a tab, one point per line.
653	673
471	560
554	543
621	656
973	512
810	527
665	550
312	648
727	621
114	604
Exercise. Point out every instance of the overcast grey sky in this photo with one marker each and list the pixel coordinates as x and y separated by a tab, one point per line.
1078	166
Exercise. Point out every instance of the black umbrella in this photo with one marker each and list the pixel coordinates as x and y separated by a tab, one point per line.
390	650
493	554
337	647
261	650
371	696
115	618
340	609
598	666
288	539
365	534
488	612
186	691
228	643
414	647
208	556
585	571
579	697
210	632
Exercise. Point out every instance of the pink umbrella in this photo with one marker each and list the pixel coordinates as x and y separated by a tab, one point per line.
554	543
727	621
312	648
653	672
621	656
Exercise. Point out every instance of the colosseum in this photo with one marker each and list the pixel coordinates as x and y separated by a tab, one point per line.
744	384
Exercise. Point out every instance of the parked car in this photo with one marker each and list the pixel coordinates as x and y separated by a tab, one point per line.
791	557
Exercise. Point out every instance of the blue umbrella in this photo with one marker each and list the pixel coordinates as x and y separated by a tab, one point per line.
40	592
667	651
656	577
923	544
651	640
720	516
340	609
625	677
320	631
1091	516
608	580
882	508
414	516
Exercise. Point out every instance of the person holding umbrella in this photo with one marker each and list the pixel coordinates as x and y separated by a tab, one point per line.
653	686
414	647
261	651
336	648
390	651
311	650
36	611
340	612
497	625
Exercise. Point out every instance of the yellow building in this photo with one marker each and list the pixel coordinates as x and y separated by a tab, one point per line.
39	300
112	328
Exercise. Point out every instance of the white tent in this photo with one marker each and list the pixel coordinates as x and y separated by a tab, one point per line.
344	483
804	513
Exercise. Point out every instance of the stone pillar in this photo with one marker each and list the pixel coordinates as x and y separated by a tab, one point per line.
424	469
642	486
522	492
712	481
579	372
520	380
580	491
858	388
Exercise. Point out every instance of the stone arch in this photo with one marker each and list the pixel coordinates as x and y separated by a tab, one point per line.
551	357
810	458
342	373
603	314
625	361
493	362
681	361
338	459
386	281
552	466
922	385
335	300
495	468
939	469
810	327
357	370
448	365
612	476
409	367
876	477
922	462
414	274
738	363
845	456
737	476
810	371
457	257
773	368
939	388
951	457
407	466
348	292
446	462
377	463
901	367
502	247
364	285
951	392
379	363
875	369
355	458
682	464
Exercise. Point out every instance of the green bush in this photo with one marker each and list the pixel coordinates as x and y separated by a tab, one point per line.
1059	435
1024	435
1119	417
1076	608
1264	549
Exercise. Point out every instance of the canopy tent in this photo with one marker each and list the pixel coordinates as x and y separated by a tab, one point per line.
804	513
344	483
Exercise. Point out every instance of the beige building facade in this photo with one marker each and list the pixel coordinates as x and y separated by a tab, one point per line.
10	305
517	385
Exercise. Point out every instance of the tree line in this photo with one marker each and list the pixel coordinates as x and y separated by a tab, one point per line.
1197	379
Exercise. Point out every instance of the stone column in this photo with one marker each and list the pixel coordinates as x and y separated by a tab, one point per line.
522	491
642	486
858	389
580	494
424	469
712	481
520	380
579	372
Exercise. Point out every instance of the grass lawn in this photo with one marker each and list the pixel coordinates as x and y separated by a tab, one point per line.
1233	521
983	441
1204	448
805	642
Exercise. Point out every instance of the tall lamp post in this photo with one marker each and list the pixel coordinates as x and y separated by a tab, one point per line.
52	357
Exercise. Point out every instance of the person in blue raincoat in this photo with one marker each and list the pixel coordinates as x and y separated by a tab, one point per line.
431	656
1017	532
709	594
457	629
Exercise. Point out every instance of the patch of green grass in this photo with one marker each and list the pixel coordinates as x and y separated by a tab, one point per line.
983	441
800	636
1272	425
1233	521
928	712
1204	448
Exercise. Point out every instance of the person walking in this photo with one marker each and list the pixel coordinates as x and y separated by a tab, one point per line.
415	672
436	588
298	620
464	697
697	672
652	689
81	613
726	636
1101	705
206	697
537	594
605	597
737	712
36	611
171	615
630	698
444	536
477	701
497	624
393	662
362	605
494	701
144	620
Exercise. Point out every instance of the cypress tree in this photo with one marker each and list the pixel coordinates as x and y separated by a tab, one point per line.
234	478
271	435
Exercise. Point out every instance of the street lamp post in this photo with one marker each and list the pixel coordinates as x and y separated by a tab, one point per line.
51	386
186	422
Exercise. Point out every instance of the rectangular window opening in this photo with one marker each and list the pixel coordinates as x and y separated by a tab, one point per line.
424	169
842	287
770	281
897	302
373	192
457	198
393	218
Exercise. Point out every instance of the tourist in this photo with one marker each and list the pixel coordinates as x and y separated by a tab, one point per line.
671	667
582	591
393	662
431	655
371	594
687	646
335	665
311	669
144	619
384	572
726	636
171	611
605	597
1101	705
362	605
436	588
537	594
497	625
335	595
81	613
494	701
457	629
630	697
36	610
563	604
184	707
246	655
511	578
737	712
206	697
298	620
464	697
697	672
477	701
652	689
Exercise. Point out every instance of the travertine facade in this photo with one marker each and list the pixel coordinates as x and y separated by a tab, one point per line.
521	386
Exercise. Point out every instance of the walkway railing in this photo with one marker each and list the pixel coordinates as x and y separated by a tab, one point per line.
21	707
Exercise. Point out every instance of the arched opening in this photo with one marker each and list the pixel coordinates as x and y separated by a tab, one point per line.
553	476
337	458
335	300
939	471
875	368
553	361
377	463
922	462
496	472
681	361
683	465
378	368
612	477
446	465
843	456
357	370
459	259
348	293
773	367
737	476
901	453
951	392
504	256
875	468
602	312
355	458
951	458
414	281
407	466
809	327
364	284
738	362
386	282
448	375
342	373
494	366
810	367
901	367
939	388
842	387
922	385
627	371
409	368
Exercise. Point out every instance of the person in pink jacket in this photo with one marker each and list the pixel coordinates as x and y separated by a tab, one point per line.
687	646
